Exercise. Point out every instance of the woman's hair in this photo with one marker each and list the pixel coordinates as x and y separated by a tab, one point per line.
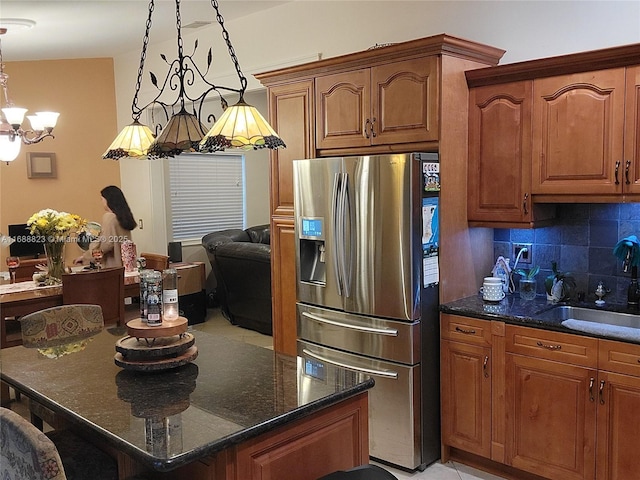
119	206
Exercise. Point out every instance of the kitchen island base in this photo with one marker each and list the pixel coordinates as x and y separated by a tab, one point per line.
334	438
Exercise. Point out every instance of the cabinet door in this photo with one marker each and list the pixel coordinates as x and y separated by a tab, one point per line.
499	182
550	418
632	131
466	397
618	426
578	123
291	114
343	109
404	101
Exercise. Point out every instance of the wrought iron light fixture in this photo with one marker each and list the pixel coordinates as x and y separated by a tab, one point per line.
240	125
12	135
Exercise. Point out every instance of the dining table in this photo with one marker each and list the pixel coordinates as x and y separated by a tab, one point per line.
21	298
233	410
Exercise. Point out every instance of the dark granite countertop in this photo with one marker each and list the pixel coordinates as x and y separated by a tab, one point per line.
231	392
513	310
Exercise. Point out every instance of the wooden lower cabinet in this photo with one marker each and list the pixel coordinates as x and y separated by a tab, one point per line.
570	404
550	419
466	397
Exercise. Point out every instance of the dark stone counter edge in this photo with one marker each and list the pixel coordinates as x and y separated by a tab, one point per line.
523	313
169	464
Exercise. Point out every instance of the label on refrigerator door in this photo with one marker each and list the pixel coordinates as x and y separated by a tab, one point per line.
430	270
430	225
430	241
431	176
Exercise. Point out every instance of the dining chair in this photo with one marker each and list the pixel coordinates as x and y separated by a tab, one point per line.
26	453
104	287
55	327
60	325
156	261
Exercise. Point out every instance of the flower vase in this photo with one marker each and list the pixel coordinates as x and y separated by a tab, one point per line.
55	260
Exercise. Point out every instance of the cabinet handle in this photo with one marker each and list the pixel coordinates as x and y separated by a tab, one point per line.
470	332
484	366
617	168
366	131
601	392
591	382
524	204
549	347
373	133
626	172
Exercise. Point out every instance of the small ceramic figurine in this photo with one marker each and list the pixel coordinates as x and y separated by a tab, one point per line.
600	292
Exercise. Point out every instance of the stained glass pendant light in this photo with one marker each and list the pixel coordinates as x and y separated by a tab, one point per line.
240	126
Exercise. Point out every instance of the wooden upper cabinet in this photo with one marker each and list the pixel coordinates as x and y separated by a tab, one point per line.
499	184
291	115
385	104
578	129
632	130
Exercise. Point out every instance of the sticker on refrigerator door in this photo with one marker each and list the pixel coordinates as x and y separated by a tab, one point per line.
430	225
431	176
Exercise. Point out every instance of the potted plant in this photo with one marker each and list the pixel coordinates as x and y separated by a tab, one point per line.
559	285
528	282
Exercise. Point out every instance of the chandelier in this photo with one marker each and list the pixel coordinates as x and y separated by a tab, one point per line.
12	135
239	126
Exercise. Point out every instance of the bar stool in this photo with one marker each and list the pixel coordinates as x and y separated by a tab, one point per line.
363	472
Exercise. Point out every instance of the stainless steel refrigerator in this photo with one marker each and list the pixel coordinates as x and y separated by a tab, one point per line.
367	288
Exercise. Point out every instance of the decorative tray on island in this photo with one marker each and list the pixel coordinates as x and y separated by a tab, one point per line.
151	348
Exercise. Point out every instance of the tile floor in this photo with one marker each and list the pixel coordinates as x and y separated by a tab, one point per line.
216	323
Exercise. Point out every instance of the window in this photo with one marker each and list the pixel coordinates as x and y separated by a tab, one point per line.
206	194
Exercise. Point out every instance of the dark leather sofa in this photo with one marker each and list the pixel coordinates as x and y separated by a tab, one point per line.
241	263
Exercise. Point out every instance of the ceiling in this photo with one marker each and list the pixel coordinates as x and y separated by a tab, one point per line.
92	28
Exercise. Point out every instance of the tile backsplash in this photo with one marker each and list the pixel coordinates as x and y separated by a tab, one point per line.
581	241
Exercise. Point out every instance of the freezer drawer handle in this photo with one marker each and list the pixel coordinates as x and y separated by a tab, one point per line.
380	331
368	371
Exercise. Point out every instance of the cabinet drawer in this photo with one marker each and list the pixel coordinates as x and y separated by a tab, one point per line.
561	347
465	329
619	357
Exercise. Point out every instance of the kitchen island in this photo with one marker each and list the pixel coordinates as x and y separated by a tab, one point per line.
236	412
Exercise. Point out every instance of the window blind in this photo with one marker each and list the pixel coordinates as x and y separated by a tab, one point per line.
206	194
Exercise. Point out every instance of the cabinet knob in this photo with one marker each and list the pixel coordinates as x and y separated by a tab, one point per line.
591	382
617	168
525	206
484	366
373	133
366	128
601	392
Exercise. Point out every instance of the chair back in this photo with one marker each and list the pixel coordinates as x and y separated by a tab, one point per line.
26	269
61	325
155	261
104	287
25	449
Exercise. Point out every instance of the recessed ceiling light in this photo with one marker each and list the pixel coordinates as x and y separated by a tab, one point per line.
15	24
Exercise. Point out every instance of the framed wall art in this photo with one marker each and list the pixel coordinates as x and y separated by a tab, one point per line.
41	165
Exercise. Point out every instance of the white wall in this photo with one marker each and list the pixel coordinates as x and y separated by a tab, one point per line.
299	31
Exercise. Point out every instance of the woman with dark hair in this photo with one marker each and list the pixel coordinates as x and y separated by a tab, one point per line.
117	223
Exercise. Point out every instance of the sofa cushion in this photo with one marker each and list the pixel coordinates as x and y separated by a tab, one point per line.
260	234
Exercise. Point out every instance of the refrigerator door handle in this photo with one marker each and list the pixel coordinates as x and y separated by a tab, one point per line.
392	332
335	209
368	371
347	258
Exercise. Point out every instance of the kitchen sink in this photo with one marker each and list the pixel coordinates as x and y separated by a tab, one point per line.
562	313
